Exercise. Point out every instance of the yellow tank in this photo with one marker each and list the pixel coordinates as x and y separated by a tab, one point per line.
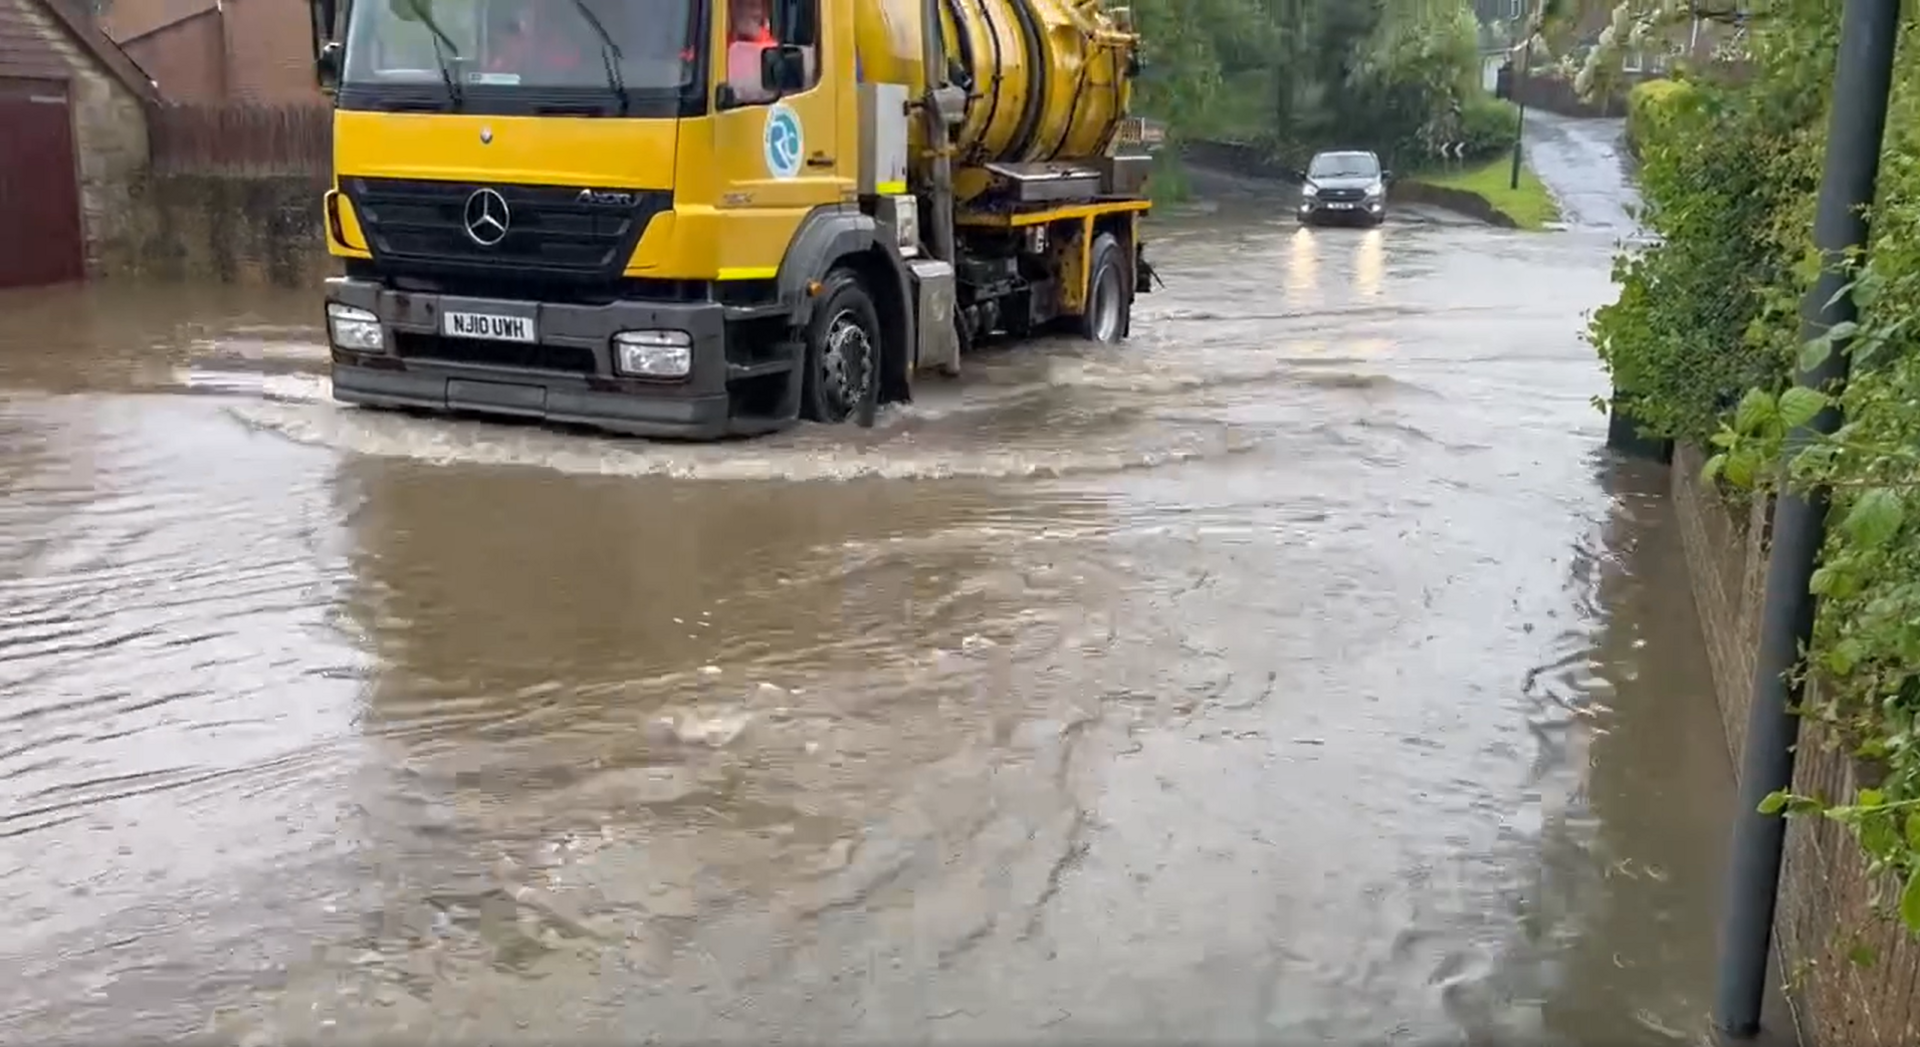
1048	78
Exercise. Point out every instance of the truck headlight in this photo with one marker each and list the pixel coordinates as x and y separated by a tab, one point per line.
354	329
653	354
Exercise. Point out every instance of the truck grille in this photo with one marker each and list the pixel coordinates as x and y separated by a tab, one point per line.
551	231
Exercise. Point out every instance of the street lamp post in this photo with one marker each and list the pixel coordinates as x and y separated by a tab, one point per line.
1520	63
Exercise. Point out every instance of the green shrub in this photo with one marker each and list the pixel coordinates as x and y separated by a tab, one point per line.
1488	126
1653	106
1697	321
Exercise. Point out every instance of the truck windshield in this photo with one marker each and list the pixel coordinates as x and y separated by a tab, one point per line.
542	44
1343	165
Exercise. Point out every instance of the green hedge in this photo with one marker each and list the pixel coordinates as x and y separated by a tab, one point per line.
1705	334
1488	126
1653	106
1700	318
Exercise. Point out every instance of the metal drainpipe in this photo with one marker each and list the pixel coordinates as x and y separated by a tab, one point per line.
940	193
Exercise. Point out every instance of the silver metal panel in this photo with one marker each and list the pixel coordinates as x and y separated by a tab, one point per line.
933	320
1035	183
883	138
1125	175
899	215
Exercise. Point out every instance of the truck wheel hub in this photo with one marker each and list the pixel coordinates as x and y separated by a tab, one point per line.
846	360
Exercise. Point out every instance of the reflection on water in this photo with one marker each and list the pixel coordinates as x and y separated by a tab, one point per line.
1302	267
1294	673
1370	263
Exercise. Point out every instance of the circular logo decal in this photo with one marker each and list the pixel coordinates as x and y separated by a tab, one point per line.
782	144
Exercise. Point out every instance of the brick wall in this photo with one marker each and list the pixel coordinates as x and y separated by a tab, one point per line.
1828	901
184	58
270	47
251	51
110	136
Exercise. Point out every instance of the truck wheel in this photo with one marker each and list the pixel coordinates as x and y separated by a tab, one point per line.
1108	314
843	351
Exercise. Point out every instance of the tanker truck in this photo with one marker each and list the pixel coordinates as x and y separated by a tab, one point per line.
712	218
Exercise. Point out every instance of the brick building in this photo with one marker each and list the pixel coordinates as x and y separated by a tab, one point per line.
1697	39
209	51
73	145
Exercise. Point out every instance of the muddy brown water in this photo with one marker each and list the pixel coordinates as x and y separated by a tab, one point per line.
1301	672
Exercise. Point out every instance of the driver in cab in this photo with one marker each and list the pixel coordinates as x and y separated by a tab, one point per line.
529	44
748	34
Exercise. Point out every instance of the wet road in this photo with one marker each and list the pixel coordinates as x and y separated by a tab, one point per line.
1583	161
1301	672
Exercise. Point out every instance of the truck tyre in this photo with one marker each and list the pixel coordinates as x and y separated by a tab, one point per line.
843	352
1109	312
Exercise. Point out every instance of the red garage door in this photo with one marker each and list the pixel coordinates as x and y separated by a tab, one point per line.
40	239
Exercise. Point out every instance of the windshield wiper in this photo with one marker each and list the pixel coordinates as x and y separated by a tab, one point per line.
442	43
610	54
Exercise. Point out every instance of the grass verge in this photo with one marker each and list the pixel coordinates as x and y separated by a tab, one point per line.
1530	206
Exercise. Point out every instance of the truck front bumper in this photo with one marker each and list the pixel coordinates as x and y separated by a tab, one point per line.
566	375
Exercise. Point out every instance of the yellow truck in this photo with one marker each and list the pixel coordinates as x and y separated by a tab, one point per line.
709	218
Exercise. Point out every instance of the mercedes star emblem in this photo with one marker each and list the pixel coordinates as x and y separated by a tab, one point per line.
487	217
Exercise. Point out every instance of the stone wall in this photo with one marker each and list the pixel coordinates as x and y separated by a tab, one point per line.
247	229
111	139
1827	899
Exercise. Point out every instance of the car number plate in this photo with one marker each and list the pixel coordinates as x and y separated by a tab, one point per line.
1341	206
493	326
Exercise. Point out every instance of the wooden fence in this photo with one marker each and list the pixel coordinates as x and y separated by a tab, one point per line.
1555	94
240	139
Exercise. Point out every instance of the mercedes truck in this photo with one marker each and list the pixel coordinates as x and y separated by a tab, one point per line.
710	218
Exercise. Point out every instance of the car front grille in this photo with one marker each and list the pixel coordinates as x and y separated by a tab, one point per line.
568	233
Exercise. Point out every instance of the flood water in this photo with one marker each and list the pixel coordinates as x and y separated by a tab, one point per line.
1301	672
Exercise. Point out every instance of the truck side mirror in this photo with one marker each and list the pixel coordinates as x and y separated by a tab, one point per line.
326	66
783	68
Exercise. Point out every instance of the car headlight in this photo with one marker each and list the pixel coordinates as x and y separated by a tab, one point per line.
1376	189
653	354
354	329
1309	189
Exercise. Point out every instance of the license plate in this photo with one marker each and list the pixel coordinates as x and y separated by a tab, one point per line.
1340	207
491	326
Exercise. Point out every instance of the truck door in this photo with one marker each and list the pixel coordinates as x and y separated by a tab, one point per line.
780	157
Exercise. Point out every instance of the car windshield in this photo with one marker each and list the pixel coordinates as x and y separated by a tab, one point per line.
520	43
1344	165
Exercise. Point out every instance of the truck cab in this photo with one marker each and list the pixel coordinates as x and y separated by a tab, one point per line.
690	218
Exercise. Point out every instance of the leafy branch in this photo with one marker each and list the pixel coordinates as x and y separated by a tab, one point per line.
1704	338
